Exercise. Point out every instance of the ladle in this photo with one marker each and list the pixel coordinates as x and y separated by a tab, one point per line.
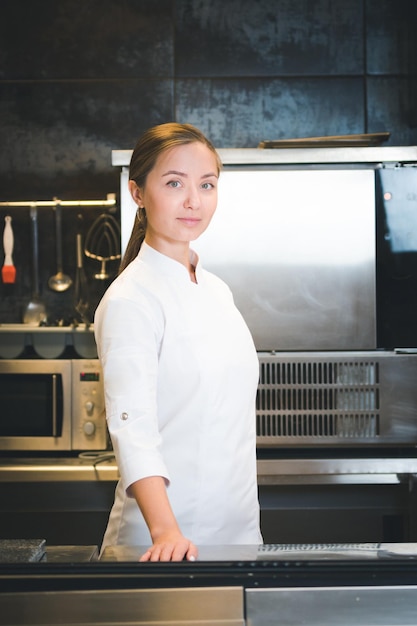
59	281
35	312
81	286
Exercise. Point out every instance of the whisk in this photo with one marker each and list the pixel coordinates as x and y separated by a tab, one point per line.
102	243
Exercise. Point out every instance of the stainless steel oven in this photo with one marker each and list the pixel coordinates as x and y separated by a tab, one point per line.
51	405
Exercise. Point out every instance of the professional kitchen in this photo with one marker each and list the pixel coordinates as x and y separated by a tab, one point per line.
312	111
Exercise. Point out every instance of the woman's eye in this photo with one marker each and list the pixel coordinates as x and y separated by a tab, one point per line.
174	183
207	186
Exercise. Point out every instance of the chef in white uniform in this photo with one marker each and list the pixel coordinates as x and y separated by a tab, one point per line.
179	365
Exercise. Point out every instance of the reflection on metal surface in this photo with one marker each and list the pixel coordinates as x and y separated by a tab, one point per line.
336	551
399	193
56	470
270	472
297	156
277	551
223	606
360	471
297	249
120	553
335	606
70	554
46	341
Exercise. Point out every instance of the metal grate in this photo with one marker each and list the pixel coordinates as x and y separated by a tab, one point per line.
325	399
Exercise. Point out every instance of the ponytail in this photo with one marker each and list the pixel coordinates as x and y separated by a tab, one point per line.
136	239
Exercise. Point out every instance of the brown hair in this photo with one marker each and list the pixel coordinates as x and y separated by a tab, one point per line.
150	145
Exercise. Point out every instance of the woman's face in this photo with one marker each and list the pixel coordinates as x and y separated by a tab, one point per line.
180	195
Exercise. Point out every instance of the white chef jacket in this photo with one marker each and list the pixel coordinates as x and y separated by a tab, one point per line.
180	375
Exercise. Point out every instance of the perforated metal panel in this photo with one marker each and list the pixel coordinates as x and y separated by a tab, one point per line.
345	398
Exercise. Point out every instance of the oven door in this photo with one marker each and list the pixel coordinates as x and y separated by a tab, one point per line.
35	401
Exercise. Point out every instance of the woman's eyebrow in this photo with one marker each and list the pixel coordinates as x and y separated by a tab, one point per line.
176	173
171	172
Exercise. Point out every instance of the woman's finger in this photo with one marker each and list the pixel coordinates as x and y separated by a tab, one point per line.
192	553
145	556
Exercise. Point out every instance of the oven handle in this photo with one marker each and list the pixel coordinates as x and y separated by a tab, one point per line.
54	406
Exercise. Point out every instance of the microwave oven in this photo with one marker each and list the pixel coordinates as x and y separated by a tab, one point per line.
52	405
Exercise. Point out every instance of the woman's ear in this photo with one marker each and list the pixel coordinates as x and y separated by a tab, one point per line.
135	192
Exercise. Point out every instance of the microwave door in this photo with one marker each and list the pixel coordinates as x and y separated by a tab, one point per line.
35	405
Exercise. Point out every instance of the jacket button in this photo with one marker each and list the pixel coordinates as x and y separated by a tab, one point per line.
124	416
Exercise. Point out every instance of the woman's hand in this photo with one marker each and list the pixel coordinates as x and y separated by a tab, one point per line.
171	546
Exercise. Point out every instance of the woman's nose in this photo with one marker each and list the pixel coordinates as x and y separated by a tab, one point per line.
192	200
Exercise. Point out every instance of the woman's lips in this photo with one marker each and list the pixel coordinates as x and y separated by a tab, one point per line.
189	221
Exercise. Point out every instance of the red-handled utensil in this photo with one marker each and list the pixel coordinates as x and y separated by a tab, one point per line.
8	271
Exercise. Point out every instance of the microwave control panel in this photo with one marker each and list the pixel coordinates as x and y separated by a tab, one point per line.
89	429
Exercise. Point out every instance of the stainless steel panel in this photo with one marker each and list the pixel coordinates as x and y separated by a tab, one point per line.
277	551
92	467
336	551
297	248
332	606
268	241
71	554
123	554
344	471
344	398
47	341
399	197
164	607
270	472
306	156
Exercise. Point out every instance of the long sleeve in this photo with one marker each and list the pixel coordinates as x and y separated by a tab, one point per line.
127	339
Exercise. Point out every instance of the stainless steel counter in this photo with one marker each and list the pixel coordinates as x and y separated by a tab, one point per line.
94	468
70	554
227	590
369	471
49	342
279	552
221	606
338	606
389	471
124	554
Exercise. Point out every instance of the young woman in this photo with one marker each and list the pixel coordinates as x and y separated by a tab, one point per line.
179	364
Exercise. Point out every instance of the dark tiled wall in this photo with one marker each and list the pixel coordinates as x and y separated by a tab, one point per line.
79	78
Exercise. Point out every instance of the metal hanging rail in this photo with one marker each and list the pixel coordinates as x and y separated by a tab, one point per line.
110	201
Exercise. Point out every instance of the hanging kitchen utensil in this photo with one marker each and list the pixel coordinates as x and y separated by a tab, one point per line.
59	281
81	287
103	242
8	271
35	312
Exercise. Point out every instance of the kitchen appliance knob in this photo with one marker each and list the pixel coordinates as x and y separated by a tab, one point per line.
89	428
89	406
